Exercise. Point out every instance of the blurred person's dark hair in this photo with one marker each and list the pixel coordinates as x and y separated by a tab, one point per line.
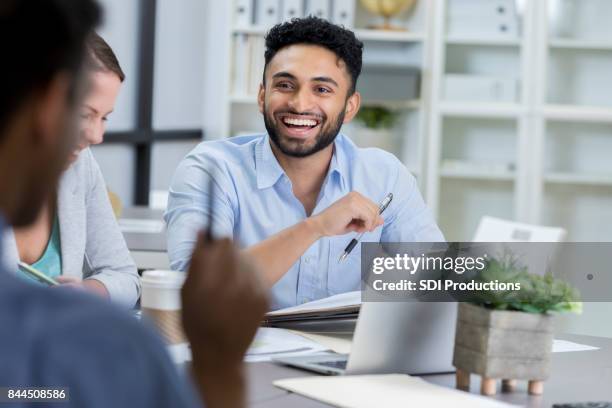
316	31
100	56
40	39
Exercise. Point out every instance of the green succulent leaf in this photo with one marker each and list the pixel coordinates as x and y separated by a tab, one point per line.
538	294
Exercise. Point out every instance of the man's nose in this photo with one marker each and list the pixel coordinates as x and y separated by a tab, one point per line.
302	101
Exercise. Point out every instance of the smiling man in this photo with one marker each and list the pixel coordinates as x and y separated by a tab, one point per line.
295	197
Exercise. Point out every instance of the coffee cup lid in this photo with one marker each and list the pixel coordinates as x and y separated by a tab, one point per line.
166	279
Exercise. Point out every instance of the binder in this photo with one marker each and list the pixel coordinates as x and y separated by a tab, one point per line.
292	9
243	13
318	8
268	13
240	64
480	18
343	13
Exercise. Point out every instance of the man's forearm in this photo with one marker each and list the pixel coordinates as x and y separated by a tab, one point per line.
277	253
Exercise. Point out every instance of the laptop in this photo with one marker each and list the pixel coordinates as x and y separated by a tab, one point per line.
393	337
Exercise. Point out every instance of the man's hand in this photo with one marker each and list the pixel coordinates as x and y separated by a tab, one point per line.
352	213
224	301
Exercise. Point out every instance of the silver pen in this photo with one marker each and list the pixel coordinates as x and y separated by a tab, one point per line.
382	207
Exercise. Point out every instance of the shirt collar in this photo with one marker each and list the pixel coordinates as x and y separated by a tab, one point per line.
269	170
340	160
267	167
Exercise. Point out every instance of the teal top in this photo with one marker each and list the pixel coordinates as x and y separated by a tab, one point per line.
50	263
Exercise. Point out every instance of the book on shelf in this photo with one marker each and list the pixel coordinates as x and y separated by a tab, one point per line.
317	8
243	13
482	19
248	64
480	88
267	13
343	13
292	9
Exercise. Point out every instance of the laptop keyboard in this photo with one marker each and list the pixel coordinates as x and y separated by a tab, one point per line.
340	364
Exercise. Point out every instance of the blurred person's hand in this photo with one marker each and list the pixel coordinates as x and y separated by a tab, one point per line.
224	301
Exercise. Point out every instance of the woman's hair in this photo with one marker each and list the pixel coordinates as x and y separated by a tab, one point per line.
100	56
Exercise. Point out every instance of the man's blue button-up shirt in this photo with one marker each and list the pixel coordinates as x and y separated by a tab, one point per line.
252	199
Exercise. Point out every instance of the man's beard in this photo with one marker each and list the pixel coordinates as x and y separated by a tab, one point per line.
326	136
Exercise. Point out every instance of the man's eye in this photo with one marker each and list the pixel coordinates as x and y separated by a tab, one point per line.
323	90
284	85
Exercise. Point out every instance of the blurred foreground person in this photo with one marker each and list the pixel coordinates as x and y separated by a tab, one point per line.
61	338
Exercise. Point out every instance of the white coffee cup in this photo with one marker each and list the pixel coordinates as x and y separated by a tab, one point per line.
161	302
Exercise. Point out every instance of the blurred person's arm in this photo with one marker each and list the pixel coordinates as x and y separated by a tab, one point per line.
224	301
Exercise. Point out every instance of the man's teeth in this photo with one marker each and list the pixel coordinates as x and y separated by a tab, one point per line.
300	122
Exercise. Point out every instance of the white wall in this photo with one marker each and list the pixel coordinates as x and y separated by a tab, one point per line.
178	85
120	30
179	64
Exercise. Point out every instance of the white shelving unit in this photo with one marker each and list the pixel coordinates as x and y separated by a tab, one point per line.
477	147
388	56
555	138
573	121
538	154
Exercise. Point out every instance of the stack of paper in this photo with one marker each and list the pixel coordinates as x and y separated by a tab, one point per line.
342	306
391	390
271	342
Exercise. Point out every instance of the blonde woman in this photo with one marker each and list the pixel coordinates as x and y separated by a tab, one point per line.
76	239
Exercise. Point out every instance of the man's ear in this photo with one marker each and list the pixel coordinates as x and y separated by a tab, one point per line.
261	97
51	109
352	107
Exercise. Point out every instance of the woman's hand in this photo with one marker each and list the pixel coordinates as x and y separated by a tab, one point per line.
88	285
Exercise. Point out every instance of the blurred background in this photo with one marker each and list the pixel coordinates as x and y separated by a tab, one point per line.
500	108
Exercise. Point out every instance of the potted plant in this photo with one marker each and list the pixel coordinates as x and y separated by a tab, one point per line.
376	128
508	335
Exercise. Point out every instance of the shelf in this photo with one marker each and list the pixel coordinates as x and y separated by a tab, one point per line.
390	36
600	179
398	105
481	110
477	174
573	113
362	34
564	43
481	41
244	99
253	30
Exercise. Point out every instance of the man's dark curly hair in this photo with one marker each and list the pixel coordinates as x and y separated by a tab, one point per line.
316	31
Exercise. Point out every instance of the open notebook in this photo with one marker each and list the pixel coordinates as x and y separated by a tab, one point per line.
344	305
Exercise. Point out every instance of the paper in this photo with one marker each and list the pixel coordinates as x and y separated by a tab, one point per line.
348	300
338	343
564	346
135	225
272	342
389	390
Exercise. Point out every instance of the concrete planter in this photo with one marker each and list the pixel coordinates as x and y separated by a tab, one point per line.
506	345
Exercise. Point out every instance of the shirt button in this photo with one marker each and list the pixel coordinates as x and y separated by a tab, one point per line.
307	260
305	300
